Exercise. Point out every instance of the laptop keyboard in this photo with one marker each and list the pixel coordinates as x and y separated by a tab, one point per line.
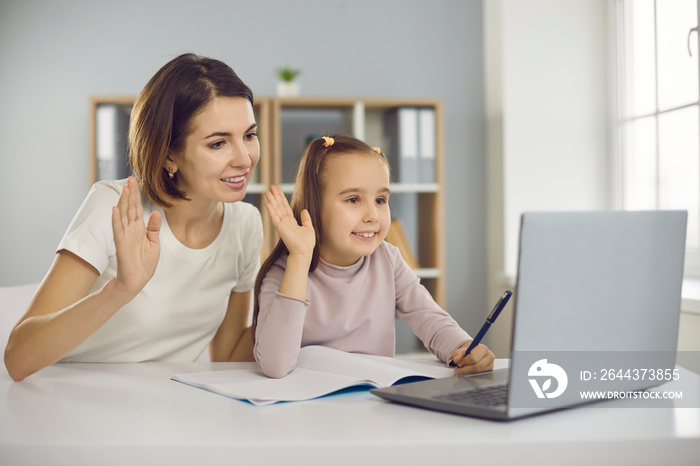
488	396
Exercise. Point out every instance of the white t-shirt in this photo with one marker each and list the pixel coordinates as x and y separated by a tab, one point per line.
177	313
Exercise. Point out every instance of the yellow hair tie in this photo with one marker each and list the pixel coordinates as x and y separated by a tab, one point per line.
328	142
377	150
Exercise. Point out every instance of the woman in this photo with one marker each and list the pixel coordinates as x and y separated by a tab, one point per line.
120	290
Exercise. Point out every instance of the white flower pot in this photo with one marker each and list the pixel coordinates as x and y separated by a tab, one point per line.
288	89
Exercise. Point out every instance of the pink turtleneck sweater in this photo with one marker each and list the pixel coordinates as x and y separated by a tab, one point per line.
351	309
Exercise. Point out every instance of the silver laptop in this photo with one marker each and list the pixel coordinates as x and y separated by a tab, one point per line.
597	305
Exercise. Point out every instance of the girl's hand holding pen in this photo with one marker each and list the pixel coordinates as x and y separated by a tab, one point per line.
480	359
477	357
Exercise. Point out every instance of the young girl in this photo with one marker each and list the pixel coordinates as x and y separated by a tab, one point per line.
122	290
332	280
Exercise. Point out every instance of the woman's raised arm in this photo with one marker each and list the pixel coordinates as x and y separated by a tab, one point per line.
62	314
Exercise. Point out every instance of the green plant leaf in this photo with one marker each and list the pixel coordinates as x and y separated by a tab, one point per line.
288	74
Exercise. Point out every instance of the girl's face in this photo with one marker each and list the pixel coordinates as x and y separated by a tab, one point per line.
219	154
354	207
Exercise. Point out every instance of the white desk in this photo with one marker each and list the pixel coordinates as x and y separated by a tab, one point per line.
133	414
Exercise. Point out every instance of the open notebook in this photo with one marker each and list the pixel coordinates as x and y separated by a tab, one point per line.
320	371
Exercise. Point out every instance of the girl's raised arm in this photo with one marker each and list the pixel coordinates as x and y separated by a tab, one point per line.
299	239
279	330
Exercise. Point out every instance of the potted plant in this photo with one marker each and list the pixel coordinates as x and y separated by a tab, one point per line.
287	85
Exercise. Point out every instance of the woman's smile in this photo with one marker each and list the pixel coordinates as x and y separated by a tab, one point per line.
236	182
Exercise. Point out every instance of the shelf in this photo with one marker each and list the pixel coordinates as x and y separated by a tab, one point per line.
256	188
396	188
418	203
414	187
427	273
287	188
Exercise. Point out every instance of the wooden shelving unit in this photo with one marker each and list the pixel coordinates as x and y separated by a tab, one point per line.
365	118
286	124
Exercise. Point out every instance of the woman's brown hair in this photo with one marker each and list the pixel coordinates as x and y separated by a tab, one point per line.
307	195
162	116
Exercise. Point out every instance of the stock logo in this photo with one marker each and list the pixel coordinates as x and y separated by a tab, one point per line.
544	371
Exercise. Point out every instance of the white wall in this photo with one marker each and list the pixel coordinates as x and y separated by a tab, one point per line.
54	54
547	108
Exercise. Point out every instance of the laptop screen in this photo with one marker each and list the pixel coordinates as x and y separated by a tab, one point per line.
594	290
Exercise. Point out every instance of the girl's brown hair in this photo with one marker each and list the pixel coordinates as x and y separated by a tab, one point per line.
162	116
307	195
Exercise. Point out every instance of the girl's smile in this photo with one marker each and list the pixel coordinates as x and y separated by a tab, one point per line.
366	235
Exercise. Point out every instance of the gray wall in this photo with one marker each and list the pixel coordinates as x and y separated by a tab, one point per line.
54	54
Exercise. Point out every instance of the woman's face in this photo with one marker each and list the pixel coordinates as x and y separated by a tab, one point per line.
220	153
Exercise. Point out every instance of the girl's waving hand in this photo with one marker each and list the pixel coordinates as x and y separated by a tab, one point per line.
299	239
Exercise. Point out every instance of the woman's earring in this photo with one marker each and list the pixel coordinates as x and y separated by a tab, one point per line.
171	174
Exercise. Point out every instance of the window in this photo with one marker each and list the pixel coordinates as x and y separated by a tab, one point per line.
658	125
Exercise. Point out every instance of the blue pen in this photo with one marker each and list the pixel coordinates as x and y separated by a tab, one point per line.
487	325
